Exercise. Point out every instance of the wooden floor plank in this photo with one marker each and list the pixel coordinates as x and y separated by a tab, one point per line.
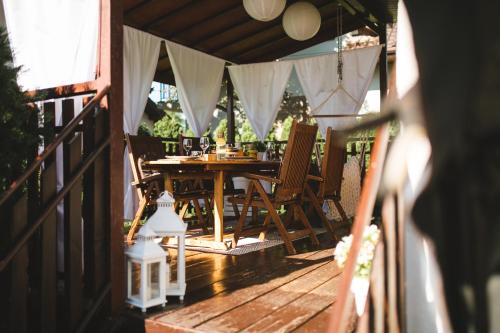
200	312
249	313
318	323
299	311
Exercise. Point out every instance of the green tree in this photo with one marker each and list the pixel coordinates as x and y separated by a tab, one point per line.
19	134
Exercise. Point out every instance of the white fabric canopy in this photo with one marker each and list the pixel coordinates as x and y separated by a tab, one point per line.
55	41
319	80
198	78
260	88
140	58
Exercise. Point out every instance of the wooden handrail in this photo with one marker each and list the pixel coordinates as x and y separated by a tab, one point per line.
53	145
53	203
70	90
362	219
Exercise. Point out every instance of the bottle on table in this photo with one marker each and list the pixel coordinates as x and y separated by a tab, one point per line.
220	146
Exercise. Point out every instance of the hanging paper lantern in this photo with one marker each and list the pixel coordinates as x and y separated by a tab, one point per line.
301	21
264	10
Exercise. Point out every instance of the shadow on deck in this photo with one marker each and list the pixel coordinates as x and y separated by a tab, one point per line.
259	291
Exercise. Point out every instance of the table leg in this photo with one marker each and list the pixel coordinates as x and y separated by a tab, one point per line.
219	206
168	183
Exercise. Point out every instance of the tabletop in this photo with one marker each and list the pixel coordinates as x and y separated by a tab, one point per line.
214	164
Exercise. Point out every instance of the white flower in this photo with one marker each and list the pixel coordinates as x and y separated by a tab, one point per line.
371	236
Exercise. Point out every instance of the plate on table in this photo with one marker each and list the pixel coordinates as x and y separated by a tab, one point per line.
182	158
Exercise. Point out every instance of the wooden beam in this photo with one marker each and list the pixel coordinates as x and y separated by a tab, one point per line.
220	16
269	35
230	108
286	45
111	60
322	6
383	63
164	18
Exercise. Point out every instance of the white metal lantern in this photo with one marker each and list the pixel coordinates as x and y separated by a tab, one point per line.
147	271
166	223
301	21
264	10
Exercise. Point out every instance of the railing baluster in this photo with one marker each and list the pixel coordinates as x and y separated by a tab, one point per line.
18	305
73	236
101	209
48	278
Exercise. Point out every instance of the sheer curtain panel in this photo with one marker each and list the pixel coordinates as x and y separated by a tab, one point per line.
140	58
319	80
198	78
55	41
260	88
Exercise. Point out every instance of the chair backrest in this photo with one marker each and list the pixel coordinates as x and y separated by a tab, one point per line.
332	166
296	162
143	147
194	140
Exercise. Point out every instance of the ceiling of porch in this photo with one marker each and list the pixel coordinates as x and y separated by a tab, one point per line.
224	29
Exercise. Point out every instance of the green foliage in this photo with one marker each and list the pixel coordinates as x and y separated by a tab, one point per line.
222	127
19	134
170	126
260	146
144	130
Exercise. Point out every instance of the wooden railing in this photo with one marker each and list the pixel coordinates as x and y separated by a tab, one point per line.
54	266
354	146
384	309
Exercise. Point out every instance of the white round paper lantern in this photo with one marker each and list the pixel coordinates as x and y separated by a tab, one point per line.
301	21
264	10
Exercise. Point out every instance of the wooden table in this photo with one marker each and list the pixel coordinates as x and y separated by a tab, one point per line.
220	169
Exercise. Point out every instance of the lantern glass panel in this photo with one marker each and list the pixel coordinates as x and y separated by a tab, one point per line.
154	281
136	279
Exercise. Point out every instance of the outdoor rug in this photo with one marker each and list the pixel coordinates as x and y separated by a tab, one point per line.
246	244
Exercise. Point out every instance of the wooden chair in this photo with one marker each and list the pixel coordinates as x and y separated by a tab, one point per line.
289	187
330	182
148	185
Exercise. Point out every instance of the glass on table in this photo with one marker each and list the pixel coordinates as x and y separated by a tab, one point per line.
204	144
187	144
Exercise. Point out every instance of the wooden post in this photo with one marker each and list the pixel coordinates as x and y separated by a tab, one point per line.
230	109
383	63
111	72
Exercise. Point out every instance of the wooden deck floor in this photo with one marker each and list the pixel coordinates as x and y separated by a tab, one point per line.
265	291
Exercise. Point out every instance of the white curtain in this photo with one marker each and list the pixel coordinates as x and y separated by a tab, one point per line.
140	58
260	88
319	80
55	41
198	78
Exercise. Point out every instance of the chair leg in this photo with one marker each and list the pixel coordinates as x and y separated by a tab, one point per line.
236	211
255	215
267	221
208	208
197	210
276	218
241	221
305	222
319	211
184	209
341	211
142	205
289	216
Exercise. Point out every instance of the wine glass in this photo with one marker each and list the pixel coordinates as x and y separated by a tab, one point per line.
204	144
270	150
187	144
